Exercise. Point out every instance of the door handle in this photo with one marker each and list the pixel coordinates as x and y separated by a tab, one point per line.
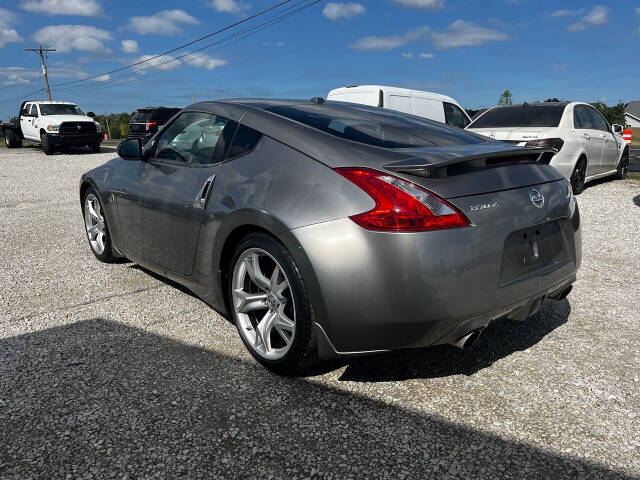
201	199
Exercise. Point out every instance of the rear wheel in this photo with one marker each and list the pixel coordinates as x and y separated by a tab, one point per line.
270	305
96	227
11	140
578	176
623	165
46	146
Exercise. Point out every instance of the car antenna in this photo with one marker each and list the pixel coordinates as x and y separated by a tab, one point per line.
317	100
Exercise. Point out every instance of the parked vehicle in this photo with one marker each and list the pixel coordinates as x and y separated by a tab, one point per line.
146	121
329	229
586	146
53	125
433	106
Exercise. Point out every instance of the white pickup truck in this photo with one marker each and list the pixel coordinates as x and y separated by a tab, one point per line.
54	125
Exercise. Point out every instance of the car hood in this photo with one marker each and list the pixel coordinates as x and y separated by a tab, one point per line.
522	133
58	119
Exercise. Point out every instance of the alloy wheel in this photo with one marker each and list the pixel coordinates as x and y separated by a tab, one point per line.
263	304
94	223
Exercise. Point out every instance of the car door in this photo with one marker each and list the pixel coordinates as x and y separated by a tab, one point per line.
27	120
590	137
177	180
609	159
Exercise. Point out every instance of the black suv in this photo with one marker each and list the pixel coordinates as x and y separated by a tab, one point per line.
146	121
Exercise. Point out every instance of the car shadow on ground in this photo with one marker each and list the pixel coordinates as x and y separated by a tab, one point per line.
100	399
74	150
500	339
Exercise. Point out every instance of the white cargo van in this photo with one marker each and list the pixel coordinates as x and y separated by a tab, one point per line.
423	104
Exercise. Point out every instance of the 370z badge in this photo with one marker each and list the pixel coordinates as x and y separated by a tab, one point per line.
483	206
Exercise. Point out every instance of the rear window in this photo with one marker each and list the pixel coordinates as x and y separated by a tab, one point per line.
521	116
164	114
142	116
376	127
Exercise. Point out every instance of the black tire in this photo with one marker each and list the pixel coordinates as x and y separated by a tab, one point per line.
578	176
623	165
47	148
303	351
95	148
107	255
11	140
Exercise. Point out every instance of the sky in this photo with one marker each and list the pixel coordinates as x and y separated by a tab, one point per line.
472	50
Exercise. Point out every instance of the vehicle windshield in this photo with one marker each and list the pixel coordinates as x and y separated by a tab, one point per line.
60	109
373	126
520	116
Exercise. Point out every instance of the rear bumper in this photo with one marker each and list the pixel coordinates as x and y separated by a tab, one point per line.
76	140
381	291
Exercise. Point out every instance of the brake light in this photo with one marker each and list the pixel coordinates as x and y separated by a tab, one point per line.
555	143
148	125
401	206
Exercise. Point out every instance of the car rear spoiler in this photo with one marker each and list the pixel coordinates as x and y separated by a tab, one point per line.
437	165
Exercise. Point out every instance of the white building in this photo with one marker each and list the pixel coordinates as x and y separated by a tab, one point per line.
632	114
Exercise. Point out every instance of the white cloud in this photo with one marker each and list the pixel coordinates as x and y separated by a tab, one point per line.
426	4
598	15
334	11
129	46
204	61
638	10
426	55
384	44
7	34
74	37
407	55
273	44
168	62
167	22
84	8
567	13
103	78
24	76
229	6
465	34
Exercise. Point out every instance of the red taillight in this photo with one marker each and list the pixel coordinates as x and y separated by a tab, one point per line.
401	206
148	125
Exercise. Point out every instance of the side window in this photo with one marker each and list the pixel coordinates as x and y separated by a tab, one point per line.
34	110
581	118
244	141
26	109
454	116
599	123
192	138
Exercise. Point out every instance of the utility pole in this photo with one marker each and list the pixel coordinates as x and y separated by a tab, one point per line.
40	50
106	119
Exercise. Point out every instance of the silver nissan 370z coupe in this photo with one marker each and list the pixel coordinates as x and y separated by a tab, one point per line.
331	229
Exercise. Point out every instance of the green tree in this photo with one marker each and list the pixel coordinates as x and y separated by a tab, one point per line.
506	98
613	114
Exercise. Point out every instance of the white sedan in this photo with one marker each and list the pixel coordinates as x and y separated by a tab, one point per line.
586	146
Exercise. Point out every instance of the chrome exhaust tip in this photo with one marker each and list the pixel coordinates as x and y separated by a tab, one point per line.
468	341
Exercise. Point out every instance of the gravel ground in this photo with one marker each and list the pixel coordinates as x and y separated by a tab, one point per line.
108	371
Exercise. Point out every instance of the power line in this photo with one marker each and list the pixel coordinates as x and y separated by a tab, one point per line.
225	42
184	45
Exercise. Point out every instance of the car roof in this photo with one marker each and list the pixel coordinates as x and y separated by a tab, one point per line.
536	104
51	101
393	90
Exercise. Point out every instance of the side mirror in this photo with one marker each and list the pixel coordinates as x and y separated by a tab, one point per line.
91	114
617	128
130	149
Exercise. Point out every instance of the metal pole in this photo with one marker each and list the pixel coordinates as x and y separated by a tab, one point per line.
106	119
40	50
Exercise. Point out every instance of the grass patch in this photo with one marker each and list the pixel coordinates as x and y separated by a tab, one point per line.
635	136
633	175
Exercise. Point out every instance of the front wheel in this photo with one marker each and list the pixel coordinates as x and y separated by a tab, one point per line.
46	146
623	165
271	309
578	176
96	227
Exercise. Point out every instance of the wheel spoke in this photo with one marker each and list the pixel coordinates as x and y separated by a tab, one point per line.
92	212
247	302
253	269
100	240
275	287
282	321
263	331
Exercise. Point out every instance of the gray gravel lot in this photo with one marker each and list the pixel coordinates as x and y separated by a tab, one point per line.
108	371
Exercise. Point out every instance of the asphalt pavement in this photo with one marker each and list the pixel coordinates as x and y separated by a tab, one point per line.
634	159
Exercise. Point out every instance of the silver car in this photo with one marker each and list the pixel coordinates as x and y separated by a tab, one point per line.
327	229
